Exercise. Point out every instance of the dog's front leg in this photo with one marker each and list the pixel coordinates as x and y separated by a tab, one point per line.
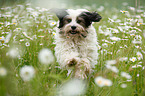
66	56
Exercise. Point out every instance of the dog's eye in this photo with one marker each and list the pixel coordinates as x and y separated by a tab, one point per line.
79	21
68	20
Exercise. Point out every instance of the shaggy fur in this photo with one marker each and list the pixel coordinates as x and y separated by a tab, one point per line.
76	41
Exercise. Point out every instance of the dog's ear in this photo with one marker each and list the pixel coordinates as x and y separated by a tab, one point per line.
93	16
60	13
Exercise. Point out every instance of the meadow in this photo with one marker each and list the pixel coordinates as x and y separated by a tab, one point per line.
28	66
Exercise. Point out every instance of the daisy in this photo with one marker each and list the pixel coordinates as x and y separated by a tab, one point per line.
111	62
139	56
123	59
126	75
2	39
3	71
122	11
46	56
123	85
7	39
74	87
27	44
133	59
136	66
100	81
107	82
27	73
52	23
115	38
13	53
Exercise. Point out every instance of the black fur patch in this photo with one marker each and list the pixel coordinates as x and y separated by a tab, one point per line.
90	17
60	13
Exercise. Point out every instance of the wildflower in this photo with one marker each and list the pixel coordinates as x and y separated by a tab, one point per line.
74	87
111	62
46	56
100	81
114	69
27	44
3	71
123	59
133	59
13	53
107	82
2	39
101	8
25	34
123	85
132	8
139	56
7	39
27	73
52	23
123	11
137	39
115	38
126	75
41	36
136	66
53	33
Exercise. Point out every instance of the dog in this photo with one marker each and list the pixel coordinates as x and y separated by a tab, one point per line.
76	41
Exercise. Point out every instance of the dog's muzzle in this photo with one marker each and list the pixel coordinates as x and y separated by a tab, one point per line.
73	32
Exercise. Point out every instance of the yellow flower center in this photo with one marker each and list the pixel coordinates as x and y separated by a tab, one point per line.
99	82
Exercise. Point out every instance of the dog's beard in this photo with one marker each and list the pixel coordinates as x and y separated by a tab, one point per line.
68	32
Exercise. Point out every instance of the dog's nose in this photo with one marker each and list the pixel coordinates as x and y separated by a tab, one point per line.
73	27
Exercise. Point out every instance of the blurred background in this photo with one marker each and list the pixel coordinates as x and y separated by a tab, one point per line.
69	3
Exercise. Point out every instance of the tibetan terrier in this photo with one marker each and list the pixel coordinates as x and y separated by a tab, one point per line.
76	40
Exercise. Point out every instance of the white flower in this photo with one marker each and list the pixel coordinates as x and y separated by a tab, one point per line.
137	39
123	85
13	53
123	59
101	8
136	66
46	56
100	81
114	69
27	44
115	38
3	71
74	87
111	62
7	39
52	23
133	59
27	73
107	82
123	11
139	56
126	75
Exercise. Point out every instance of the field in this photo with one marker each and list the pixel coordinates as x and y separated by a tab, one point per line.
28	66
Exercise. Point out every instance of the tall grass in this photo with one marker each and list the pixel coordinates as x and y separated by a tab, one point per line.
25	30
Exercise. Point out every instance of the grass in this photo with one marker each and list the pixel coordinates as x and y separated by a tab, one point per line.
30	31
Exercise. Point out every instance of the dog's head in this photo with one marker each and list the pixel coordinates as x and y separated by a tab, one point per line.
74	23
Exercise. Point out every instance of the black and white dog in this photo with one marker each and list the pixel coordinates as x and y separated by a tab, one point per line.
76	40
